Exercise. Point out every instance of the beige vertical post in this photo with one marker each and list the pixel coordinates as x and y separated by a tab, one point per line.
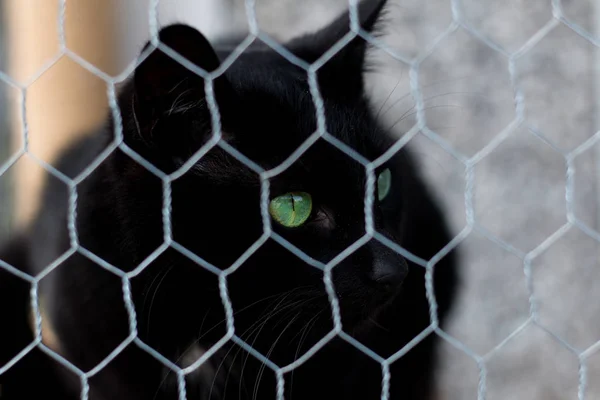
66	100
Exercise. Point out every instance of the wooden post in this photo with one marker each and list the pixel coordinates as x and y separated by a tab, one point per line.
67	100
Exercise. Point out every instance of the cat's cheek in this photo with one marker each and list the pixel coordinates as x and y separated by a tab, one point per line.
207	379
49	335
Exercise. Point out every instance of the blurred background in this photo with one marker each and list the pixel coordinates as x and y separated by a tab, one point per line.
468	87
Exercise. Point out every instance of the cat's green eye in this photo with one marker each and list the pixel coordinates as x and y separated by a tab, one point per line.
384	183
291	209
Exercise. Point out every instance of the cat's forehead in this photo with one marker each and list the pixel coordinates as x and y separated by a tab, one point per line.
262	76
277	111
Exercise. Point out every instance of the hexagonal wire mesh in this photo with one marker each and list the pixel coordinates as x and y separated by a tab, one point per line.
529	128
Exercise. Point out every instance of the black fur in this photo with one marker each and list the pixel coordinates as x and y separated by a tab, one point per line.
279	302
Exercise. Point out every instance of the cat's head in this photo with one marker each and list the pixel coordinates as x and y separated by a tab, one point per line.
267	112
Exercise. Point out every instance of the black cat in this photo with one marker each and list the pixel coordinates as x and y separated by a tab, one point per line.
280	303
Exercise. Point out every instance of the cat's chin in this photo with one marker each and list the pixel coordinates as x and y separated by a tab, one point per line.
358	322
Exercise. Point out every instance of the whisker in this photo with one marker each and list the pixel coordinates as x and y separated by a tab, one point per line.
282	319
377	324
168	270
173	106
305	333
177	85
404	116
278	296
258	325
303	303
306	325
388	97
263	366
255	330
273	308
473	94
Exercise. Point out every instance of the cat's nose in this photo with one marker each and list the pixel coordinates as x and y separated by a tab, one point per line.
388	267
389	272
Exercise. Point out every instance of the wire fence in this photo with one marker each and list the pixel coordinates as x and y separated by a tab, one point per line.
421	128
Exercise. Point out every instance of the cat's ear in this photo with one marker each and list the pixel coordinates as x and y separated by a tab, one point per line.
159	77
342	74
169	97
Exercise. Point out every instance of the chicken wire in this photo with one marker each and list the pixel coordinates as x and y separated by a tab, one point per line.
421	128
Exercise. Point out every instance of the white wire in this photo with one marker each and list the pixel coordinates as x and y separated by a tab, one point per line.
470	164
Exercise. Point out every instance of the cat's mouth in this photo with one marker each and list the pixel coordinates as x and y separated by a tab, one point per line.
357	309
363	295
